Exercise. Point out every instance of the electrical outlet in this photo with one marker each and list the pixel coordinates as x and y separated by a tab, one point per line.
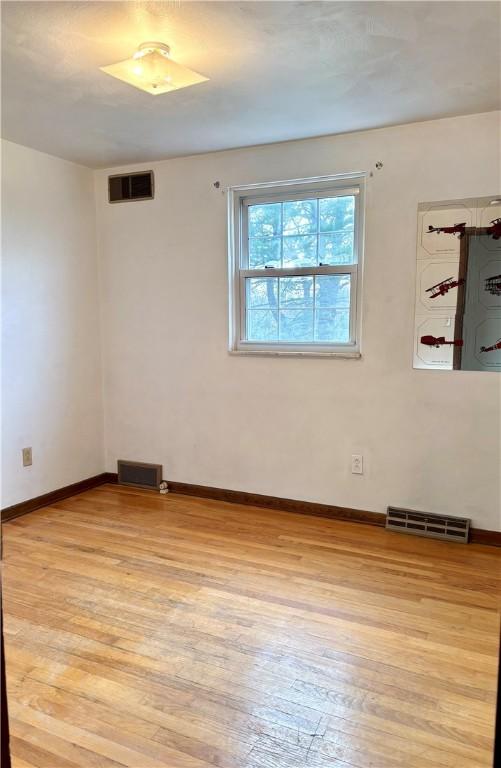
357	464
27	457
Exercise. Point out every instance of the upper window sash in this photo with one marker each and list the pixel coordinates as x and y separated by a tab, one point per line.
289	194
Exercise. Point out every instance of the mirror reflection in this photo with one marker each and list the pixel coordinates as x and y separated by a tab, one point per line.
458	285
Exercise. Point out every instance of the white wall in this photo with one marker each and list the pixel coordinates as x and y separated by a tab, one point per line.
51	378
281	426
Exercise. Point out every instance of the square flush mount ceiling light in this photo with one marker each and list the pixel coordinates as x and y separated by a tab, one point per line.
152	70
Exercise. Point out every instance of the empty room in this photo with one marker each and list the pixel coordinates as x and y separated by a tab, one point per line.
251	384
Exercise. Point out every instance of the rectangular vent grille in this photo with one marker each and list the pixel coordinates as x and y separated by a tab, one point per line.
139	474
131	186
426	524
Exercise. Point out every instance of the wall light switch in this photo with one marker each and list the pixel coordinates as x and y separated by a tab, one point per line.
27	457
357	464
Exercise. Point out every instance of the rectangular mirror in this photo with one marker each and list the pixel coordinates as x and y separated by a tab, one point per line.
458	285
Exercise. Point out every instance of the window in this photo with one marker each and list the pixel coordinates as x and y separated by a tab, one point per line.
295	266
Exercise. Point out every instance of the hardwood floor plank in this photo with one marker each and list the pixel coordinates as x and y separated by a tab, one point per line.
179	632
49	749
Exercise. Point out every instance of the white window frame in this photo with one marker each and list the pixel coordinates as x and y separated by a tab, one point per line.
239	199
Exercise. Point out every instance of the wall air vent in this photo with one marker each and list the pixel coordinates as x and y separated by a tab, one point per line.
139	474
442	527
130	186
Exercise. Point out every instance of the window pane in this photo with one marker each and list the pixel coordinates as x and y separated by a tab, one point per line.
336	248
262	292
265	220
264	251
296	292
300	251
332	291
332	325
337	213
300	217
262	325
296	325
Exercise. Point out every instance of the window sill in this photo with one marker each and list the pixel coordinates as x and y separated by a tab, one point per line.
348	355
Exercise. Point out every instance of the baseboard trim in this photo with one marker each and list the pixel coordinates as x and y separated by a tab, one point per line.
16	510
483	536
477	535
278	503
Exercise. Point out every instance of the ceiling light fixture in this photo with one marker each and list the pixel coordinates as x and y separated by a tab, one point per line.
152	70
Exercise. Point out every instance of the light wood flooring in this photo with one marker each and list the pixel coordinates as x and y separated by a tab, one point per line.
178	632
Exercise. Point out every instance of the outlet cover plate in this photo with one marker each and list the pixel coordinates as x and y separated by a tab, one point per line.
357	464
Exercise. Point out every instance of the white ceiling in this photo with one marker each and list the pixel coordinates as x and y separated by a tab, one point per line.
278	70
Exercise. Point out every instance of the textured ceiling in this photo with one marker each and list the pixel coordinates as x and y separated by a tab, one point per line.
278	70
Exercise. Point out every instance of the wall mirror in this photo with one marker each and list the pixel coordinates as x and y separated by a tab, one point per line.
458	285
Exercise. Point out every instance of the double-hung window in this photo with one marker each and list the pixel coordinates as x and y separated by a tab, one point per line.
295	266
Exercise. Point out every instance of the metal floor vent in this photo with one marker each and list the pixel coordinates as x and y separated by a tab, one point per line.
442	527
139	474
